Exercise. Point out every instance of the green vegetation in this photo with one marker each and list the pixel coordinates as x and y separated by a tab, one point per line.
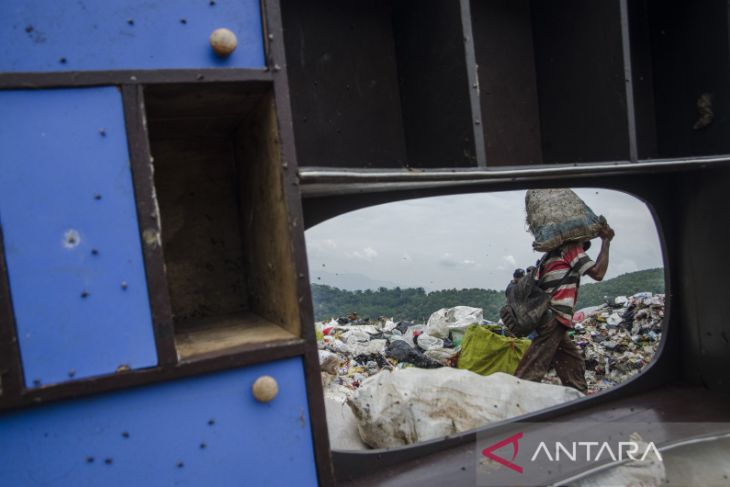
403	304
415	304
651	280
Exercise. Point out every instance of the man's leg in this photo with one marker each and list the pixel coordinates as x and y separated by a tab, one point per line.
540	354
570	365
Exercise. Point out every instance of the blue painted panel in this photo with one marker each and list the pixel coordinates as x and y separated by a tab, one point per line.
168	439
71	236
71	35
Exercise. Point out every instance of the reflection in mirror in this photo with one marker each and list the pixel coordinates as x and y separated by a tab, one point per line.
431	321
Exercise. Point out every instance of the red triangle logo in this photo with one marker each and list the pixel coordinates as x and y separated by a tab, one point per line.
514	440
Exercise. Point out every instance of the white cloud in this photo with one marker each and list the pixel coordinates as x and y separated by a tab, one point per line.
368	253
510	259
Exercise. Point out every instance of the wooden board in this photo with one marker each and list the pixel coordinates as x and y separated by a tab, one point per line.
580	76
507	81
201	239
270	272
226	333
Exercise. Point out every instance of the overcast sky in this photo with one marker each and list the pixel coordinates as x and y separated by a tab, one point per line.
465	241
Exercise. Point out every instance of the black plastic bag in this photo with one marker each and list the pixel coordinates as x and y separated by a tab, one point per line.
402	352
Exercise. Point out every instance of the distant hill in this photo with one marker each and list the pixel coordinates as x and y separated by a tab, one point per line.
415	304
651	280
350	282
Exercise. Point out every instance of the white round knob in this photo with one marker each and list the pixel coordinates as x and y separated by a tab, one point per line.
265	388
223	42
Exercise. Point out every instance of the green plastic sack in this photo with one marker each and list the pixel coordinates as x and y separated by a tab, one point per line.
486	352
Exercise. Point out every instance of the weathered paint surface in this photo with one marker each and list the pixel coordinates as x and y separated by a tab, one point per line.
71	236
69	35
206	430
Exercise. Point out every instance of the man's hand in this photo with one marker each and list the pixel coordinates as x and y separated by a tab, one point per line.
598	271
606	233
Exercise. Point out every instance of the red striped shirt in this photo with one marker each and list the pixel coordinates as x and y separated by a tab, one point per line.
555	267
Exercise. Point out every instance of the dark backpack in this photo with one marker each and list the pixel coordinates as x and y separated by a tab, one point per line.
528	305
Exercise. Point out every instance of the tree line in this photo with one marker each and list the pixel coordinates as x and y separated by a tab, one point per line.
415	304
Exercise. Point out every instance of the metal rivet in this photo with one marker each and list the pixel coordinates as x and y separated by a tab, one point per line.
477	121
150	236
200	77
265	388
84	294
271	37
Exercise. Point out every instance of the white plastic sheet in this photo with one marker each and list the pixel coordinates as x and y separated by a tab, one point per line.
444	319
405	406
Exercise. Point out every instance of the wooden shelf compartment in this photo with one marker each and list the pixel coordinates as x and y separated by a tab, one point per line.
224	219
552	81
379	83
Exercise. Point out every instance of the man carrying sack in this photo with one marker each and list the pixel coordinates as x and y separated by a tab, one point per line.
563	226
553	347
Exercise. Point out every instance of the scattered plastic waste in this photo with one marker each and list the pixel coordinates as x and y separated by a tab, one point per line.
619	339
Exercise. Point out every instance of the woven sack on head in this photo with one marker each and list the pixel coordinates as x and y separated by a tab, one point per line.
557	216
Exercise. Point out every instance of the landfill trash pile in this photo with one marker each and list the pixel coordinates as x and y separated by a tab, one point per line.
619	339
